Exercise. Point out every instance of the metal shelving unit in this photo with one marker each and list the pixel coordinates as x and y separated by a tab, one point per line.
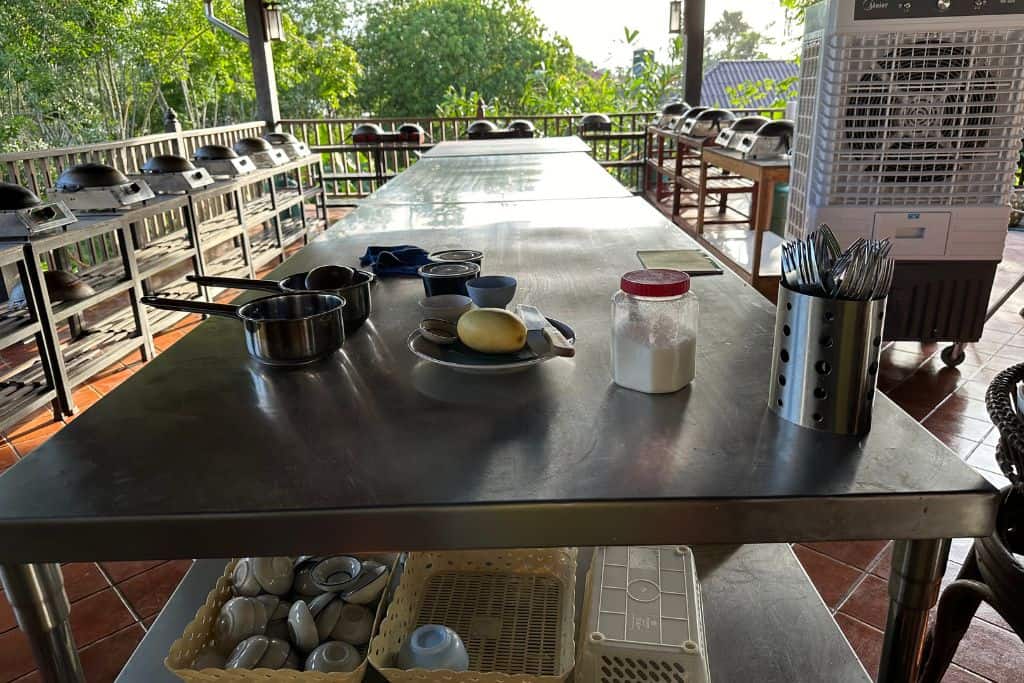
196	230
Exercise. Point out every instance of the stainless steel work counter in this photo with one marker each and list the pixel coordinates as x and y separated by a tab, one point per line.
204	453
500	178
475	148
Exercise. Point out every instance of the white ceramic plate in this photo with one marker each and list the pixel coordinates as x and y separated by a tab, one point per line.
483	364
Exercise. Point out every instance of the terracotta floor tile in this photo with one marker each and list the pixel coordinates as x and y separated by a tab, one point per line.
997	336
869	602
1008	355
865	641
833	579
132	359
15	655
917	403
148	591
33	677
98	616
959	445
955	674
85	397
992	439
119	571
7	455
40	419
167	339
984	457
82	579
1004	324
7	620
992	652
27	438
108	381
959	425
955	406
884	564
859	554
973	389
103	660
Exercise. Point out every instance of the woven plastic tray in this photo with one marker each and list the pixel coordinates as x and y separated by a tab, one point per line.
199	633
514	610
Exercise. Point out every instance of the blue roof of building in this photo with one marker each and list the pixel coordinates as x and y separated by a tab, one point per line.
731	73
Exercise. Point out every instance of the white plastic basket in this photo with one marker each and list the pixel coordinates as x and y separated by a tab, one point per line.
513	609
642	619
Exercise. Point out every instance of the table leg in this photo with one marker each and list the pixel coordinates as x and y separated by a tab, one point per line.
36	593
917	569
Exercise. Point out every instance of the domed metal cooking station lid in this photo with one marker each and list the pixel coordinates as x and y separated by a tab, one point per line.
250	146
213	153
167	163
14	197
90	174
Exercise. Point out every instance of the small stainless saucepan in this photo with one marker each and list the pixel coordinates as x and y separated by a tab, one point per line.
287	329
356	295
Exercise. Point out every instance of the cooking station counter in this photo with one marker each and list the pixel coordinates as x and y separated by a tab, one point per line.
204	453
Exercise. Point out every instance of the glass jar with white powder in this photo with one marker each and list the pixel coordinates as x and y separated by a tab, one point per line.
654	331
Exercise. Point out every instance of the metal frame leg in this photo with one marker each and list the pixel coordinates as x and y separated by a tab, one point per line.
917	569
36	593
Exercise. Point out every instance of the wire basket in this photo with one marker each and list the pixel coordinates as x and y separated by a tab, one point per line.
199	633
513	609
642	620
825	361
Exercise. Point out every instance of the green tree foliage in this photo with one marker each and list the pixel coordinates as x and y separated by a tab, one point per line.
92	70
412	51
731	37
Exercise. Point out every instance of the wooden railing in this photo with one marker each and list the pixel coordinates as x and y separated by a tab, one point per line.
357	170
38	170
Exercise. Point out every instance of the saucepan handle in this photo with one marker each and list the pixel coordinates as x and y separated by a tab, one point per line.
234	282
186	306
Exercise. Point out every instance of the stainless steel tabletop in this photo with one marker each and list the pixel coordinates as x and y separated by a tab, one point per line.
475	148
204	453
501	178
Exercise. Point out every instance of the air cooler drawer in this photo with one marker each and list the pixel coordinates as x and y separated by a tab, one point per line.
914	235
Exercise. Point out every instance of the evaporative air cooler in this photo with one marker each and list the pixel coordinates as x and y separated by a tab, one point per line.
909	124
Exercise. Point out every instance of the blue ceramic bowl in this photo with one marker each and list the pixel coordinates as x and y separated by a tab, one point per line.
491	291
433	646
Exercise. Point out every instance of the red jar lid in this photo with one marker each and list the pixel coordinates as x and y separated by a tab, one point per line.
655	282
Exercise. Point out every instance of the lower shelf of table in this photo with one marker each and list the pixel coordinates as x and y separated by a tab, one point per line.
757	600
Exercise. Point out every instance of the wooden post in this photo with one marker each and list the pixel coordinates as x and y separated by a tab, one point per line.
262	65
693	28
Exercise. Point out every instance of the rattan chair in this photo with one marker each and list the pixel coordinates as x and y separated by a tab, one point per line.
990	572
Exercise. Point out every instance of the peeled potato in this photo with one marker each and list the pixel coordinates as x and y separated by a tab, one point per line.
492	330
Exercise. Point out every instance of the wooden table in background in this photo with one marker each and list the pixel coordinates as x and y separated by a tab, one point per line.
765	175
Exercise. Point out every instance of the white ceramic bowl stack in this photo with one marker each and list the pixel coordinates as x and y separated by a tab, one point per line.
305	613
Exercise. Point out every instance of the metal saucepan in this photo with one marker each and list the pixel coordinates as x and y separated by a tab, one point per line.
287	329
356	295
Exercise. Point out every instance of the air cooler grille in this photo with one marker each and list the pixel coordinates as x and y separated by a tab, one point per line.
924	118
809	58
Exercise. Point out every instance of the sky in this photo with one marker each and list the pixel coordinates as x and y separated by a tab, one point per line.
595	27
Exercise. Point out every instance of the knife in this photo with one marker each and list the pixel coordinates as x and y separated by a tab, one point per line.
538	327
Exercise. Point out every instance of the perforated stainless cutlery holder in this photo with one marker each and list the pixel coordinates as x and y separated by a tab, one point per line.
825	361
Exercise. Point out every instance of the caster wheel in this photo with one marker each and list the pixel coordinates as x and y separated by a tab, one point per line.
953	356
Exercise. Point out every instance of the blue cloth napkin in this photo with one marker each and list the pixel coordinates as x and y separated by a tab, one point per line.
398	261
